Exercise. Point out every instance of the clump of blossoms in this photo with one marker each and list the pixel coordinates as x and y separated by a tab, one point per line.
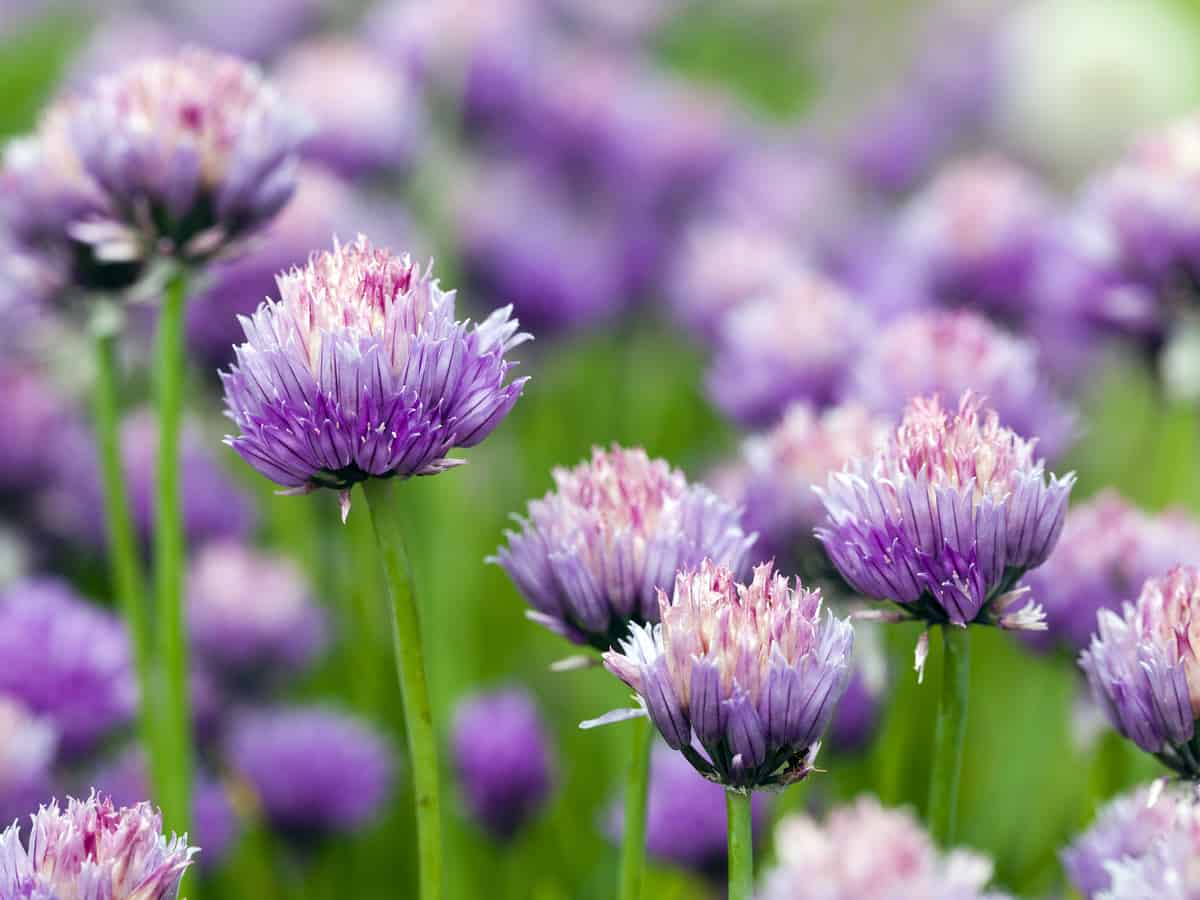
753	672
946	518
868	852
27	747
1144	669
593	553
360	370
93	850
1167	872
1128	828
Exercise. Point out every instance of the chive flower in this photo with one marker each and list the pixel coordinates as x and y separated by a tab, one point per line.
28	744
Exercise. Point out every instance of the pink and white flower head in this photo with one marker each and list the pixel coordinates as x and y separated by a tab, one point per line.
791	343
27	749
946	518
592	554
1170	867
948	352
93	851
865	851
752	672
1144	668
361	370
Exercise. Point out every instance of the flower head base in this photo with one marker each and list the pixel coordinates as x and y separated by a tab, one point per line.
752	671
592	554
1144	668
361	371
947	517
93	850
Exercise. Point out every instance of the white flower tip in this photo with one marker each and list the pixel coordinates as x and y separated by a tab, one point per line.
921	656
611	718
573	663
344	505
1156	789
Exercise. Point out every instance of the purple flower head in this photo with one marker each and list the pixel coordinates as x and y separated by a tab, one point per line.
27	748
251	616
189	152
504	760
124	779
946	518
37	411
946	353
94	851
315	770
865	851
685	817
360	370
789	344
367	115
1144	668
592	554
753	672
1166	872
1107	551
1129	827
66	661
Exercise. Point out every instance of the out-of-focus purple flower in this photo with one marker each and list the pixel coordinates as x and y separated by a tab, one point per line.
504	760
367	116
947	353
214	821
627	23
946	518
685	817
1144	668
255	30
1107	551
792	343
865	851
592	554
361	370
190	153
66	661
315	770
1166	872
752	671
251	616
37	413
116	42
857	716
1127	828
93	850
27	747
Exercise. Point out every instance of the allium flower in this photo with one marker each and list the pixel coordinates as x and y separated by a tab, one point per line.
1144	669
504	760
1107	551
685	817
314	770
367	116
94	851
592	554
1129	827
946	518
752	671
1167	872
867	852
251	616
946	353
190	152
36	411
360	370
27	747
66	661
791	343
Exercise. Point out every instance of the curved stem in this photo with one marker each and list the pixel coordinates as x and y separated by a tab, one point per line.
741	845
175	790
414	690
633	842
949	732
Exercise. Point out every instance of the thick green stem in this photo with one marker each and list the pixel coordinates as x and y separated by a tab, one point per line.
175	788
741	845
949	732
125	562
414	691
633	842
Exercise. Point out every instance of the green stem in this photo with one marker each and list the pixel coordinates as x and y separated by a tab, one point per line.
175	788
414	690
633	842
741	845
124	553
950	730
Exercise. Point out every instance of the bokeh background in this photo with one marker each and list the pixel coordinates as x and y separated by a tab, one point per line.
571	157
